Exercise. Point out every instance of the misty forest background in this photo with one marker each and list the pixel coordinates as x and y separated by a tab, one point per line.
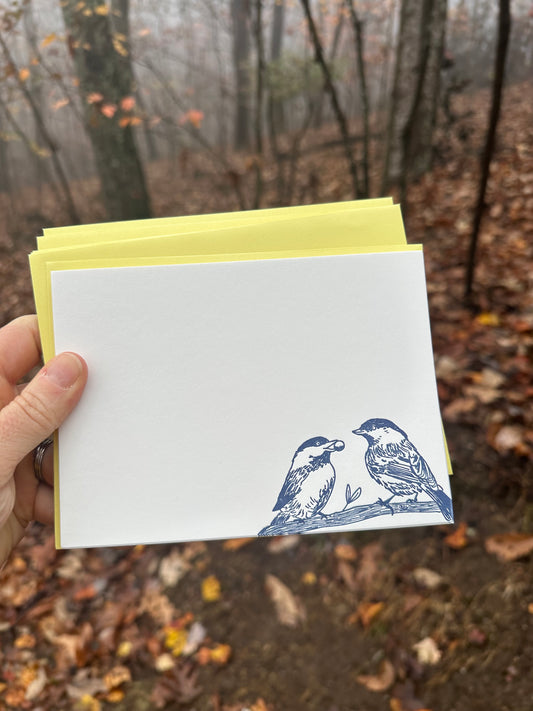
126	109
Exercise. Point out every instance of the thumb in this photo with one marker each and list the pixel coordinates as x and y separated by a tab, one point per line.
39	409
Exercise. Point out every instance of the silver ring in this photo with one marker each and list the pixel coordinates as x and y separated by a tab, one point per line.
38	457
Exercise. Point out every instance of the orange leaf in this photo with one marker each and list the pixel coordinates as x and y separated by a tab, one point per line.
117	676
345	551
109	110
124	121
135	121
203	656
221	654
115	696
94	97
234	544
86	593
488	319
59	104
367	611
458	538
144	32
48	40
88	703
194	117
127	103
24	73
309	578
259	705
25	641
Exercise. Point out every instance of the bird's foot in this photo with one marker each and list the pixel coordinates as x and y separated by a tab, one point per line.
387	505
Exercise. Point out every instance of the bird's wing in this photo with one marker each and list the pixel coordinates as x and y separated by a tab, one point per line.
400	461
419	466
291	487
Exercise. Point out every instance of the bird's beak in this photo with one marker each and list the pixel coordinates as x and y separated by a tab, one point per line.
359	432
335	445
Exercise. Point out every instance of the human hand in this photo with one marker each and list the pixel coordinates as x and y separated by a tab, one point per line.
29	414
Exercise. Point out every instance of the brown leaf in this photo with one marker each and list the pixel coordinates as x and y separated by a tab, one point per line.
178	685
381	681
280	544
507	438
368	567
348	575
510	546
289	610
458	407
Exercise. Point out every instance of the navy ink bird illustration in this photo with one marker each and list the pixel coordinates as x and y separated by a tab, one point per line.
309	482
395	463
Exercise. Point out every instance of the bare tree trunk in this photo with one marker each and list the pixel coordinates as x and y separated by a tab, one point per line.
5	177
276	107
35	87
30	145
102	62
330	87
259	101
120	23
412	109
504	30
363	93
47	138
319	111
240	13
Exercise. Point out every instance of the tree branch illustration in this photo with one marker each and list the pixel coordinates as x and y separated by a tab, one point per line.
347	516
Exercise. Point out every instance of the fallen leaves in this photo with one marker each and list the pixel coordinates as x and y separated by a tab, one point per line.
235	544
510	546
220	654
366	613
116	677
382	681
458	538
173	568
426	578
289	610
211	590
427	651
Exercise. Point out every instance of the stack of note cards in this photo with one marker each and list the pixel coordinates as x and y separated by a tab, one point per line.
254	373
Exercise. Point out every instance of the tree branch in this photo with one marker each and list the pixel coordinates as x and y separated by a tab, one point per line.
328	82
356	514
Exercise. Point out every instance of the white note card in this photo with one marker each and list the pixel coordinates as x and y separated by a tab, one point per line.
249	398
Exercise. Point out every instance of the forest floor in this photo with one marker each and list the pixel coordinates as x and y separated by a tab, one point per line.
399	620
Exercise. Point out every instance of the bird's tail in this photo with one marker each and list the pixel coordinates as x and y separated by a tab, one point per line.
443	501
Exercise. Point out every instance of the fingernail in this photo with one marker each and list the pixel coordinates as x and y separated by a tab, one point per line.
64	370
